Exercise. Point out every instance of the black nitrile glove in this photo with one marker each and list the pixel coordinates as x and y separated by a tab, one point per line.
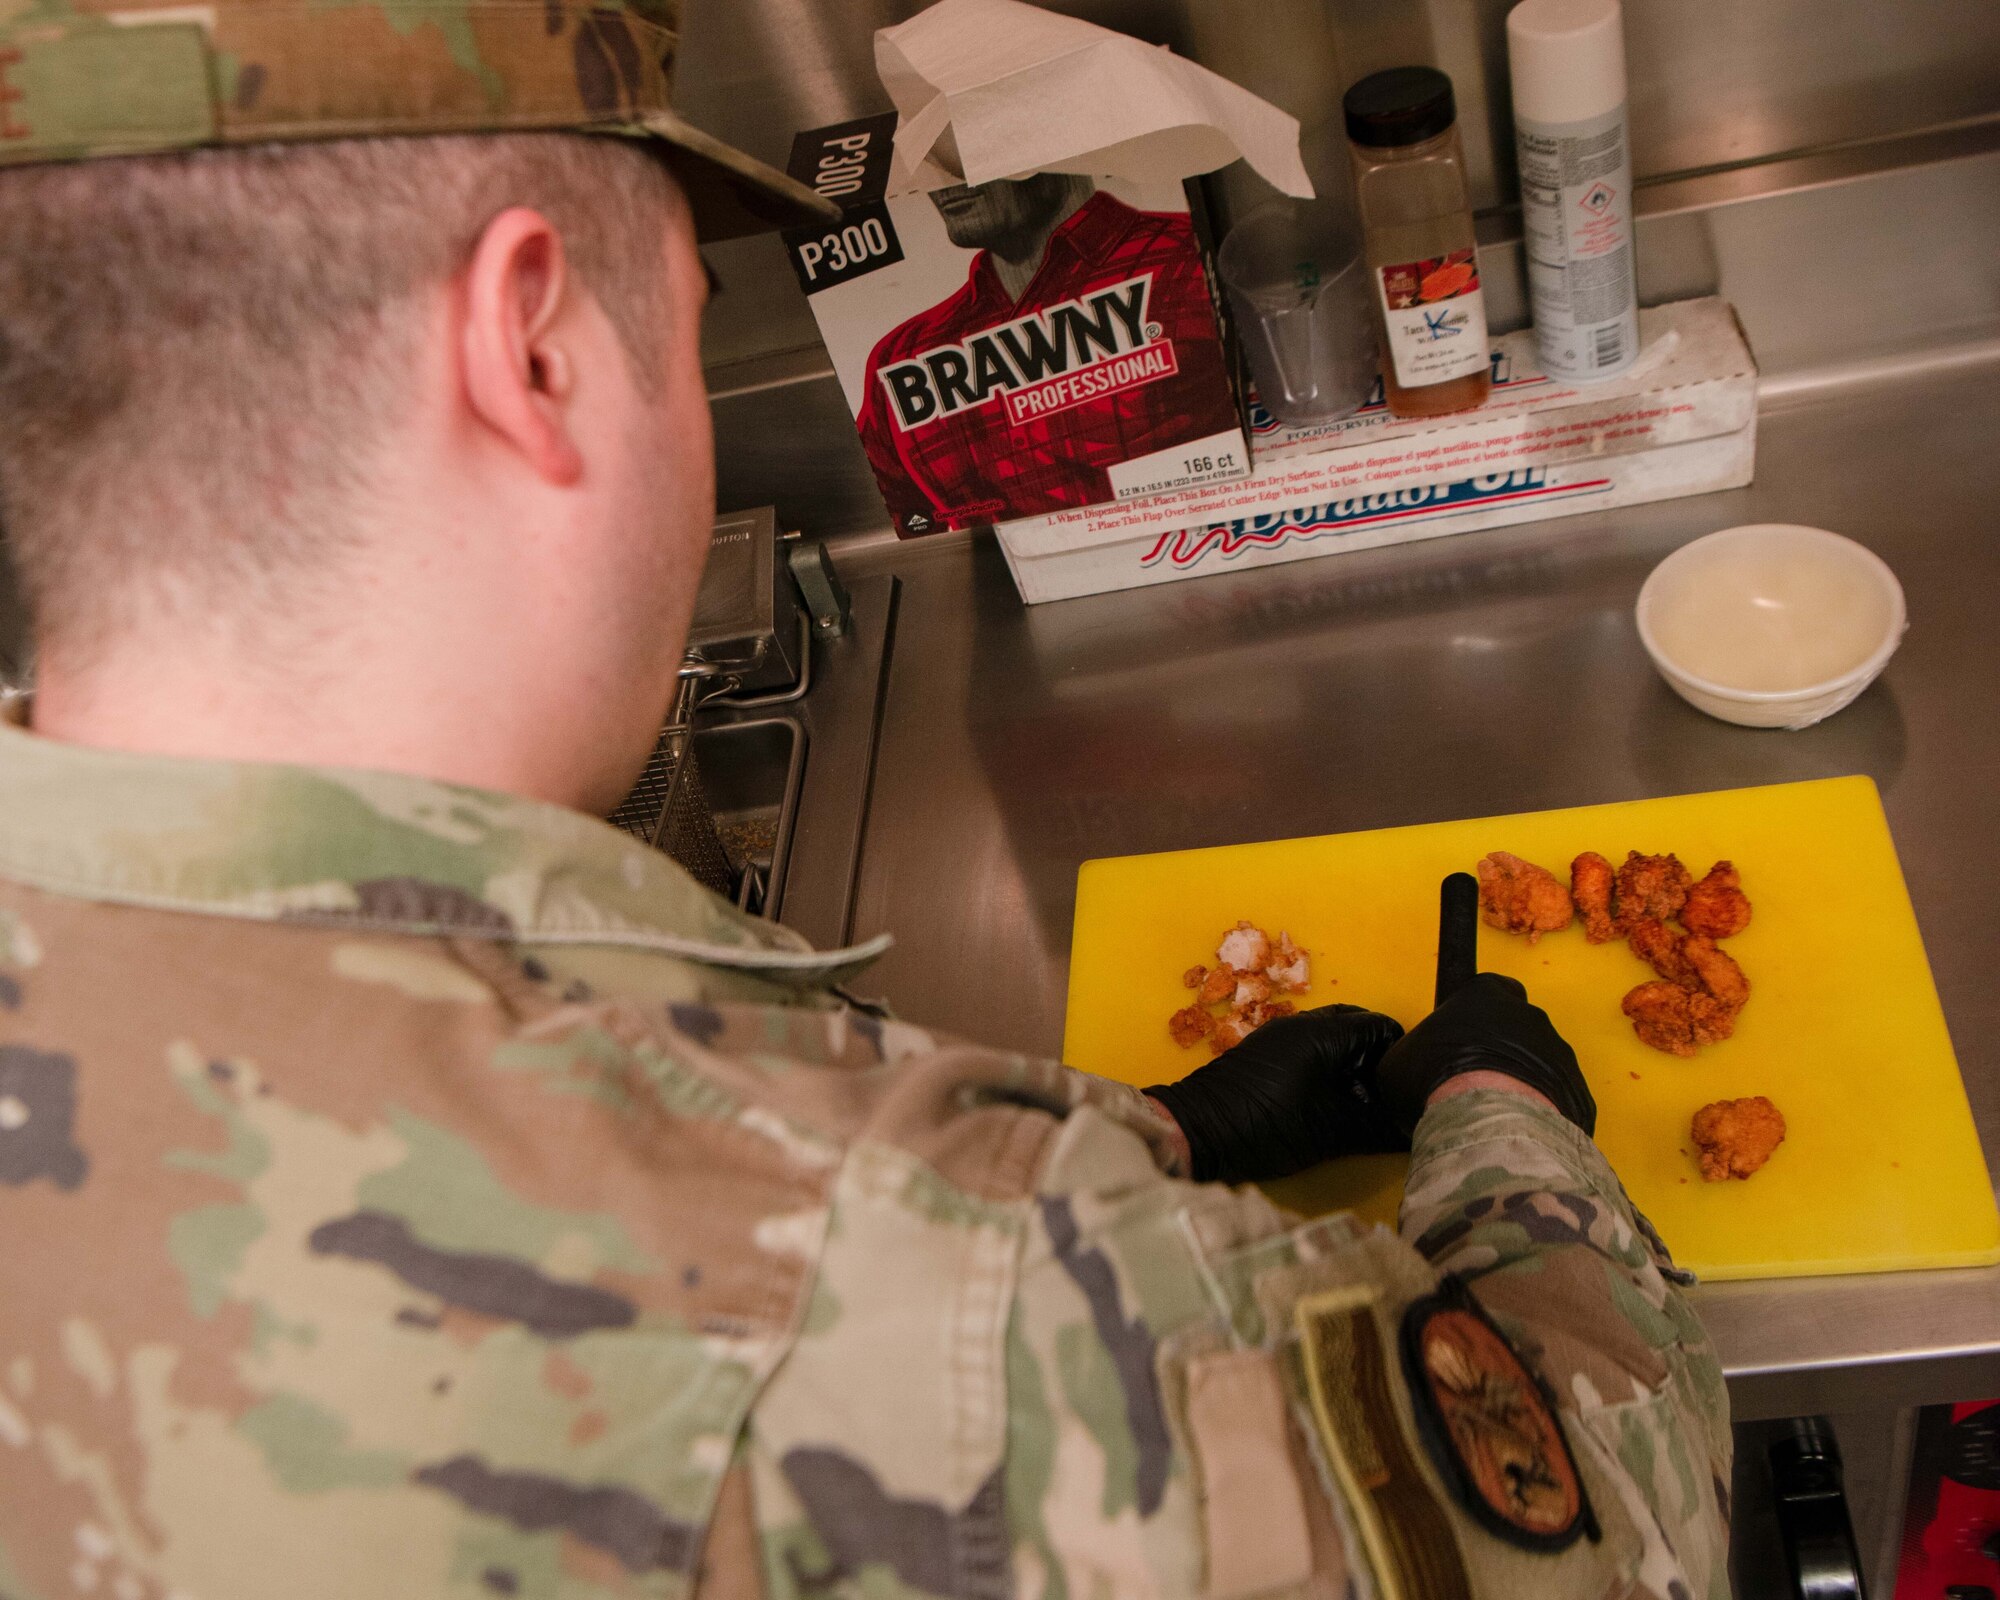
1298	1091
1487	1026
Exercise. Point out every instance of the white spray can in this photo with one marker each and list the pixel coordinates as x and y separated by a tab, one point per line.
1567	62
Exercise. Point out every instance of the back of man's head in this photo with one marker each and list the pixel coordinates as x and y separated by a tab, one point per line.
203	355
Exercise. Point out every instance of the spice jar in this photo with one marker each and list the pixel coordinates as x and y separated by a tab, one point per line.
1416	219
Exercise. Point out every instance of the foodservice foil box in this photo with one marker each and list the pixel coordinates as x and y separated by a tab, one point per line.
1681	421
1022	346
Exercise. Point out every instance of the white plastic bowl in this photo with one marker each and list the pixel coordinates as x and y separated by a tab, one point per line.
1771	625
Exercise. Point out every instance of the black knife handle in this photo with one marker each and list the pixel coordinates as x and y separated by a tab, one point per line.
1458	934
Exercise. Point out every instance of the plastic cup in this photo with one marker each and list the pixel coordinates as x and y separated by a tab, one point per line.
1299	291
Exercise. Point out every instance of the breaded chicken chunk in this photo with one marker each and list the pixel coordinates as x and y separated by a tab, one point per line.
1252	988
1253	1016
1520	897
1700	992
1717	908
1733	1138
1677	1020
1651	886
1656	944
1590	881
1218	987
1716	971
1190	1025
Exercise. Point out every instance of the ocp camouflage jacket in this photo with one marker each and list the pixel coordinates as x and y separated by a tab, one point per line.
411	1191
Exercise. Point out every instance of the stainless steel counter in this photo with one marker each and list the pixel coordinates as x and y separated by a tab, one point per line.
1486	673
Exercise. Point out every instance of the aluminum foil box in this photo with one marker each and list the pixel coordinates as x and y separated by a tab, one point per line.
1683	421
1018	347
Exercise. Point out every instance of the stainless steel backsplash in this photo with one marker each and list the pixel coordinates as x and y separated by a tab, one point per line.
1833	166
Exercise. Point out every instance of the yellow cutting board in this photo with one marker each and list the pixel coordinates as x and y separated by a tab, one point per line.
1881	1166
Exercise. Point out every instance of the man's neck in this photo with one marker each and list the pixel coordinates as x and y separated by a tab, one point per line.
373	715
1017	258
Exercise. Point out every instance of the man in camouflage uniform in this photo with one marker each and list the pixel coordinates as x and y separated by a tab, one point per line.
412	1187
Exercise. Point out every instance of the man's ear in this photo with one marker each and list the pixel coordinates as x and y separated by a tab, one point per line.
519	375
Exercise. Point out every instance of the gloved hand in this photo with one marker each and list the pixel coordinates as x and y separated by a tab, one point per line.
1487	1026
1297	1092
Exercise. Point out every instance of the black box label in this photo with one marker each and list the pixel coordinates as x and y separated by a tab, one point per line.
847	163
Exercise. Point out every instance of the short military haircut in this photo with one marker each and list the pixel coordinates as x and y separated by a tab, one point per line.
201	353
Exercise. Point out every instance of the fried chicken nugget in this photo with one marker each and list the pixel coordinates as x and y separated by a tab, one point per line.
1659	1013
1716	971
1590	880
1733	1138
1520	897
1701	989
1717	907
1662	949
1677	1020
1651	886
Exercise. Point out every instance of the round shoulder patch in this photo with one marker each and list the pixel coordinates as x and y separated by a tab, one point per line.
1490	1426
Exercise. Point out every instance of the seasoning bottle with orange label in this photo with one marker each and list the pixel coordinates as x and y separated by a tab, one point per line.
1416	219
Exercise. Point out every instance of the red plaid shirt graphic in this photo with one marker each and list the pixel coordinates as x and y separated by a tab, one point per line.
973	466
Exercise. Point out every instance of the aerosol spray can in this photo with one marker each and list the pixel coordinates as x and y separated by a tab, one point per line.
1567	61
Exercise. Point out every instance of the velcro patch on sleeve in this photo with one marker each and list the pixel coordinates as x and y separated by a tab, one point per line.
1253	1511
1349	1379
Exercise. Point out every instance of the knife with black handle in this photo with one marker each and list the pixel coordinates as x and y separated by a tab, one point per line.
1458	935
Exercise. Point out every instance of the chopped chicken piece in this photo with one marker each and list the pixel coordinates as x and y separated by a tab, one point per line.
1249	991
1520	897
1245	947
1218	986
1733	1138
1258	1012
1590	881
1290	970
1190	1025
1677	1020
1650	886
1716	907
1252	988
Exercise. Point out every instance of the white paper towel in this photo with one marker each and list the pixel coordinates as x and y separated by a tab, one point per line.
999	89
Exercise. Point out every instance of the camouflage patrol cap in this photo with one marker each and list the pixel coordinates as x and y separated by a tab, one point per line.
90	78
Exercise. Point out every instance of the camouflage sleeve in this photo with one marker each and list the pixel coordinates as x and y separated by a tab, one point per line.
1109	1306
1506	1193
